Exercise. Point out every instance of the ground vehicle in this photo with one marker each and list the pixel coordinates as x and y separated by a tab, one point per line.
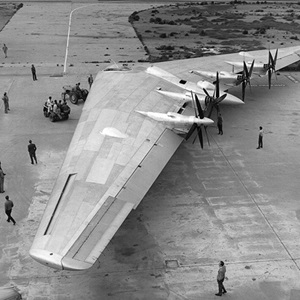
74	93
9	293
61	113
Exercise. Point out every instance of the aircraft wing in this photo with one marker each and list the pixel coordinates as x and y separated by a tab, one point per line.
285	57
113	159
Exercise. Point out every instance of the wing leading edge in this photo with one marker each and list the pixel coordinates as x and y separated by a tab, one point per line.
113	159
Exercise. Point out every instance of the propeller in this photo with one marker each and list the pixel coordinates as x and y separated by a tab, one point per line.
246	77
271	66
198	114
213	101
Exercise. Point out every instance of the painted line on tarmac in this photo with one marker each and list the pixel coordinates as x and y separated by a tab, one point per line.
292	78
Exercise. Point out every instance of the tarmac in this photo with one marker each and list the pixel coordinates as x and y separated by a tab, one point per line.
228	202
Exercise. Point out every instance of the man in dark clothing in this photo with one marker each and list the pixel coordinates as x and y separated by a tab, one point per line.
220	123
31	150
4	48
220	278
8	209
6	103
90	80
33	71
260	138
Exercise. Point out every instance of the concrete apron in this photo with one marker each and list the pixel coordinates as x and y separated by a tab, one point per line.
229	201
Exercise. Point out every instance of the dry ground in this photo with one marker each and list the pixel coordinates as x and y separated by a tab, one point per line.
195	29
7	10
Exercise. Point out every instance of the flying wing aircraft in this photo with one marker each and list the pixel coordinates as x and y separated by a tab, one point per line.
118	150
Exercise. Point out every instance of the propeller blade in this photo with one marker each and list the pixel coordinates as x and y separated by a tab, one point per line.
244	84
200	136
194	105
205	91
270	58
272	61
250	73
275	59
191	131
217	86
269	77
246	72
251	68
220	99
211	110
199	108
246	78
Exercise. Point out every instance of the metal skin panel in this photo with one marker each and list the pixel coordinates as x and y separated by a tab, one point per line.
141	180
110	143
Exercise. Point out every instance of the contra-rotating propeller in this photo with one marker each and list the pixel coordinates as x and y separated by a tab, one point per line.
212	102
246	78
198	114
271	66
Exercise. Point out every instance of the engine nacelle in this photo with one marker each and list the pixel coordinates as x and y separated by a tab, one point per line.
205	85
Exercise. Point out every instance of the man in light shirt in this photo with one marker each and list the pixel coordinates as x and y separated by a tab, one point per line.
260	137
220	278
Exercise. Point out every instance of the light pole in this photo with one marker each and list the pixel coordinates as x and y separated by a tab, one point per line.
69	30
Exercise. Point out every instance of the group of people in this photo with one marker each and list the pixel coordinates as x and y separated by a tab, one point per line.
8	202
57	107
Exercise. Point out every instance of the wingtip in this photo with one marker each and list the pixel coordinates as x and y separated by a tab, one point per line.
56	261
47	258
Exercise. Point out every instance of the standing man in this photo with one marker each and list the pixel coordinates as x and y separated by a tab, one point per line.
4	48
90	80
220	278
8	209
260	137
31	150
33	71
220	123
1	181
6	104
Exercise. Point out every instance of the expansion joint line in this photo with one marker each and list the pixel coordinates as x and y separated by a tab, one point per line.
256	204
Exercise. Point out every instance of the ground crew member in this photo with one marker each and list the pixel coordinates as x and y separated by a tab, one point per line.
8	209
31	150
